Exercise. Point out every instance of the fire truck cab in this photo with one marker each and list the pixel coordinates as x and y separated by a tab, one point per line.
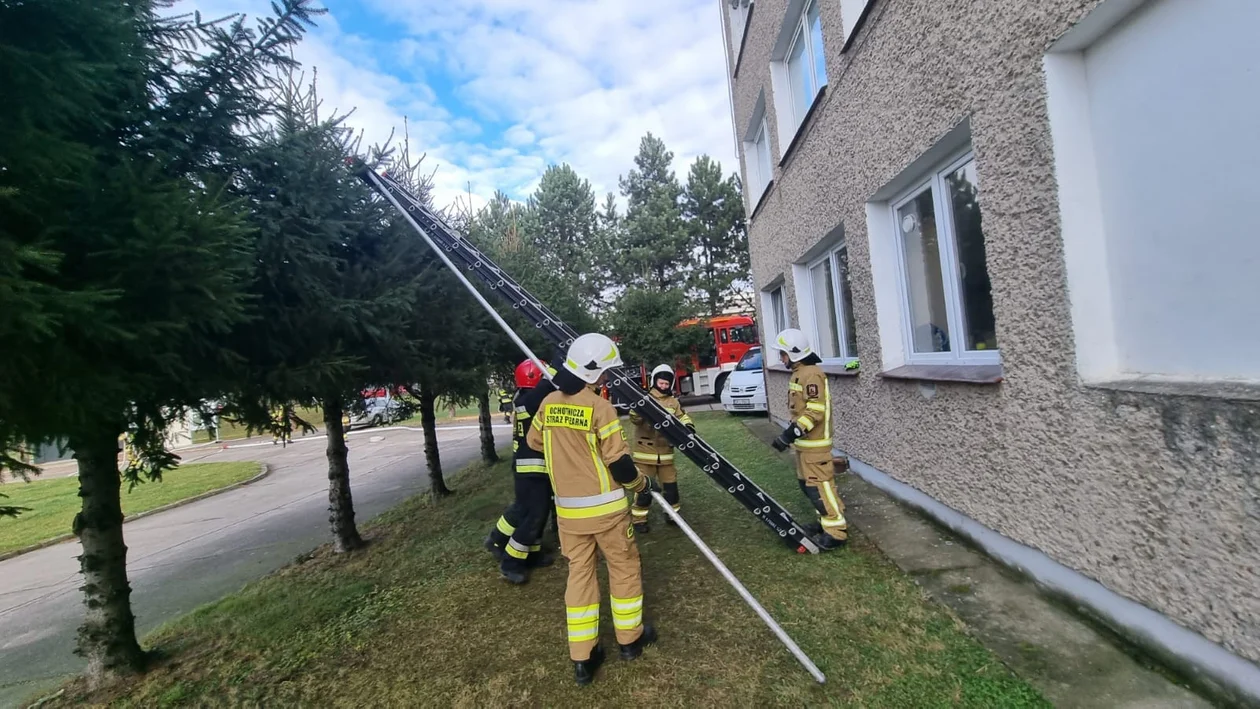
730	336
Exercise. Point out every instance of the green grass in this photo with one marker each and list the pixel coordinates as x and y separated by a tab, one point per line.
420	618
54	502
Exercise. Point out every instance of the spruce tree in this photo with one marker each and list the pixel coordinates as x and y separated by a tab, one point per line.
564	230
714	211
130	250
655	252
333	286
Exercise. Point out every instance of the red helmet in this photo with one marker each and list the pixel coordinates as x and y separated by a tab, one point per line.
528	375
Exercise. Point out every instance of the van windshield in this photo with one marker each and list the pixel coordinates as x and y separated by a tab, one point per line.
750	362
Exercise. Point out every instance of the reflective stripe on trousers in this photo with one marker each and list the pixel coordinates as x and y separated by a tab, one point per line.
627	612
583	623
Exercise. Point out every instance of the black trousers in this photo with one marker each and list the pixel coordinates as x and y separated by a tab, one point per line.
519	531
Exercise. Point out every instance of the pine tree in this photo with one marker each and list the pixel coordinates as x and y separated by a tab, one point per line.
714	212
333	286
564	229
130	249
646	322
654	253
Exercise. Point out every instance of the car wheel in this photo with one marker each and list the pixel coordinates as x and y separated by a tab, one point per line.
718	386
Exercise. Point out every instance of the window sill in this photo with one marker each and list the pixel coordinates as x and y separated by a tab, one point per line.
761	200
1239	390
743	40
964	373
833	370
802	129
838	370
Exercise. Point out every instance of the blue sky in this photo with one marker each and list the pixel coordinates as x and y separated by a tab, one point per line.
495	90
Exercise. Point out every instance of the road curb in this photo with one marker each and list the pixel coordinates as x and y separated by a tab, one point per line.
266	470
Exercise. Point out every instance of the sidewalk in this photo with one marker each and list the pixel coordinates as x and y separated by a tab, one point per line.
1070	661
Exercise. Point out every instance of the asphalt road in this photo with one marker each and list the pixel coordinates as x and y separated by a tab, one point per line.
190	555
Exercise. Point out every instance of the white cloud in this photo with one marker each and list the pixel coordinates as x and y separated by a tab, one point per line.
576	81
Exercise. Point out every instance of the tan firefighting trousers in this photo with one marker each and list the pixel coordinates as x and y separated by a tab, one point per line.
814	469
661	467
613	536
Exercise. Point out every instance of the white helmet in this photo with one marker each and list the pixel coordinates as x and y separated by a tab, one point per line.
794	343
663	369
590	355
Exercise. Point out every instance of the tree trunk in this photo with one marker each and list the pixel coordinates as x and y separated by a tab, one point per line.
107	638
340	504
488	454
428	421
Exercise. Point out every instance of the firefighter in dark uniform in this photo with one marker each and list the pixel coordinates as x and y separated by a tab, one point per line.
591	472
653	454
506	405
809	432
515	539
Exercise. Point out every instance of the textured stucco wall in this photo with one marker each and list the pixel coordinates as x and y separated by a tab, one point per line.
1157	497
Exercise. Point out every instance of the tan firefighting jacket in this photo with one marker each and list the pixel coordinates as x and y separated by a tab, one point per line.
809	405
649	445
580	436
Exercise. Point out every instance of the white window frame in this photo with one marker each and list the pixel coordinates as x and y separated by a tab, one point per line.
757	164
737	20
770	313
803	277
851	11
948	247
781	79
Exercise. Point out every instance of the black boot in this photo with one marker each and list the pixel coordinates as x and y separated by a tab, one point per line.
494	549
540	559
812	529
513	571
826	542
642	527
584	670
634	649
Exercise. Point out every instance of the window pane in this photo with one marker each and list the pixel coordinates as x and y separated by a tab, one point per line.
799	78
722	334
780	312
763	158
846	302
973	273
825	309
929	324
816	46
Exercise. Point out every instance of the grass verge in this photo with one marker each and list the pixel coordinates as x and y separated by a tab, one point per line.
54	502
421	618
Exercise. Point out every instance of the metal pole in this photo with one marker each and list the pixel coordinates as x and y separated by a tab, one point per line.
460	275
743	592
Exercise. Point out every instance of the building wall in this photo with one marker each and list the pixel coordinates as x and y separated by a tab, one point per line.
1157	496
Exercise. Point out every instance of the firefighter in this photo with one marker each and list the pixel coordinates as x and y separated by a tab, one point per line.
653	455
809	432
516	537
506	405
591	471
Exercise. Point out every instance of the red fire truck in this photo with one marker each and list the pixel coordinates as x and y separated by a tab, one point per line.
704	374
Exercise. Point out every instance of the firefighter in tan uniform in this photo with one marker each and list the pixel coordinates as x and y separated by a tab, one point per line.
809	432
653	455
591	471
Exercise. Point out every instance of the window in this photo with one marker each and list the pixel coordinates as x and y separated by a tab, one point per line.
738	16
852	14
722	334
774	311
1155	153
757	160
750	362
945	291
746	334
798	71
824	300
